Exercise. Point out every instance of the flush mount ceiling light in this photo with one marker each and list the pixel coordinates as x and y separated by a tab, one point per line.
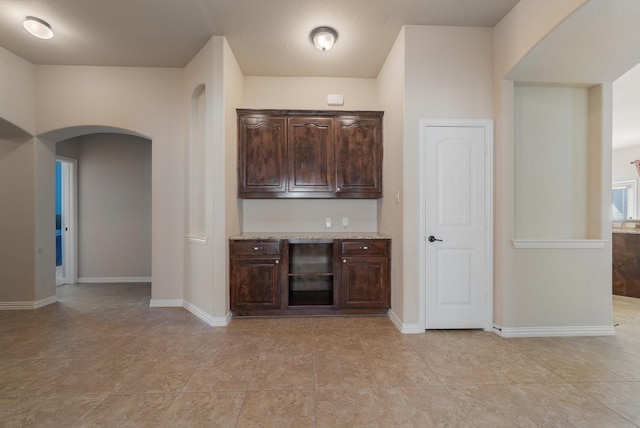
323	37
37	27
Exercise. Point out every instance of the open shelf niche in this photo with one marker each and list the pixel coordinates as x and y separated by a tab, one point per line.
311	273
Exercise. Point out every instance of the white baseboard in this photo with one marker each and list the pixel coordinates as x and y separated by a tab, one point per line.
404	328
113	279
16	306
180	303
204	316
166	303
554	331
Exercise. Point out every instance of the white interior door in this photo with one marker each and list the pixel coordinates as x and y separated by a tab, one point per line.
456	217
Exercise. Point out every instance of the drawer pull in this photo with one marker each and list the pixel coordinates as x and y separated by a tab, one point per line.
277	262
365	247
344	260
257	248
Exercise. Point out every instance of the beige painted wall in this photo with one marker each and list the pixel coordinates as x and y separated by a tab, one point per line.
17	233
233	90
448	75
143	100
391	88
114	205
551	162
543	287
309	215
18	182
17	91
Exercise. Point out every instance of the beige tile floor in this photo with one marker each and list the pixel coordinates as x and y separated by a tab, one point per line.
102	357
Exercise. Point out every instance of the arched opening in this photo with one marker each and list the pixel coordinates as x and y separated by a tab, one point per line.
108	223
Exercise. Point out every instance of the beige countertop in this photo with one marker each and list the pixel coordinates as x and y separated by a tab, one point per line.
625	230
309	235
626	226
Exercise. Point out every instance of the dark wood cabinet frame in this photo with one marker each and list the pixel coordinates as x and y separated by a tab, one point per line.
309	154
358	275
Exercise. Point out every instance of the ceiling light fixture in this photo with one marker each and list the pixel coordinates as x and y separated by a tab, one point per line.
37	27
324	37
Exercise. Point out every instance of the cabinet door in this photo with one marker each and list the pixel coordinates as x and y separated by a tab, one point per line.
359	157
310	156
255	283
261	156
364	282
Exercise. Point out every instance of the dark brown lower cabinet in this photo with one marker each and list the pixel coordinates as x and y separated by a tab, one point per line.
255	276
311	277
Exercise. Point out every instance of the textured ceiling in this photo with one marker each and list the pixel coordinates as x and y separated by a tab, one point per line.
268	37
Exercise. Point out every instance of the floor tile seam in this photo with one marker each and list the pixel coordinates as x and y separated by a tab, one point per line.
447	388
588	395
564	378
253	372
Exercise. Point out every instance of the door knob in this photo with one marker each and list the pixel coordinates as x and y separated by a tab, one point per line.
433	239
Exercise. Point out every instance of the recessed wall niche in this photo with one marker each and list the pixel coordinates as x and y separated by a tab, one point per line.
197	166
557	162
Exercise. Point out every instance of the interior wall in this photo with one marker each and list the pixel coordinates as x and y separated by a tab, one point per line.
45	223
17	255
206	258
18	182
551	162
391	89
542	288
17	91
114	206
143	100
233	90
448	74
309	215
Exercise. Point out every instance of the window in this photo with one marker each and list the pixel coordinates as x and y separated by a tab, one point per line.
623	199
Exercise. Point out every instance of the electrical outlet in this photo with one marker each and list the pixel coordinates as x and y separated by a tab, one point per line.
345	222
327	222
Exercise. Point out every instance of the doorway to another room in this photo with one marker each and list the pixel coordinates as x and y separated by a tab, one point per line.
65	221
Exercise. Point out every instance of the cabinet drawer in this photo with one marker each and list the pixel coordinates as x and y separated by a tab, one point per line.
366	247
255	248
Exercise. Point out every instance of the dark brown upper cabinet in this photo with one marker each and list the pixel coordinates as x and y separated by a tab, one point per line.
310	159
261	155
309	154
359	153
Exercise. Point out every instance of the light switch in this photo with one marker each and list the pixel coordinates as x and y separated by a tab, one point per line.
327	222
345	222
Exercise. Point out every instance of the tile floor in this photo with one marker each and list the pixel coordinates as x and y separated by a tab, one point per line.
102	357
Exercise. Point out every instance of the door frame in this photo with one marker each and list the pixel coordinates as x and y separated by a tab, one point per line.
69	217
487	124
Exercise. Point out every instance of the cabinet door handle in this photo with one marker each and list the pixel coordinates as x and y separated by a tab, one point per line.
344	260
277	262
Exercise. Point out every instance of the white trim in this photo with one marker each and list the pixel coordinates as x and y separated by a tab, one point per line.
404	328
487	124
559	243
10	306
166	303
555	331
197	239
204	316
113	279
